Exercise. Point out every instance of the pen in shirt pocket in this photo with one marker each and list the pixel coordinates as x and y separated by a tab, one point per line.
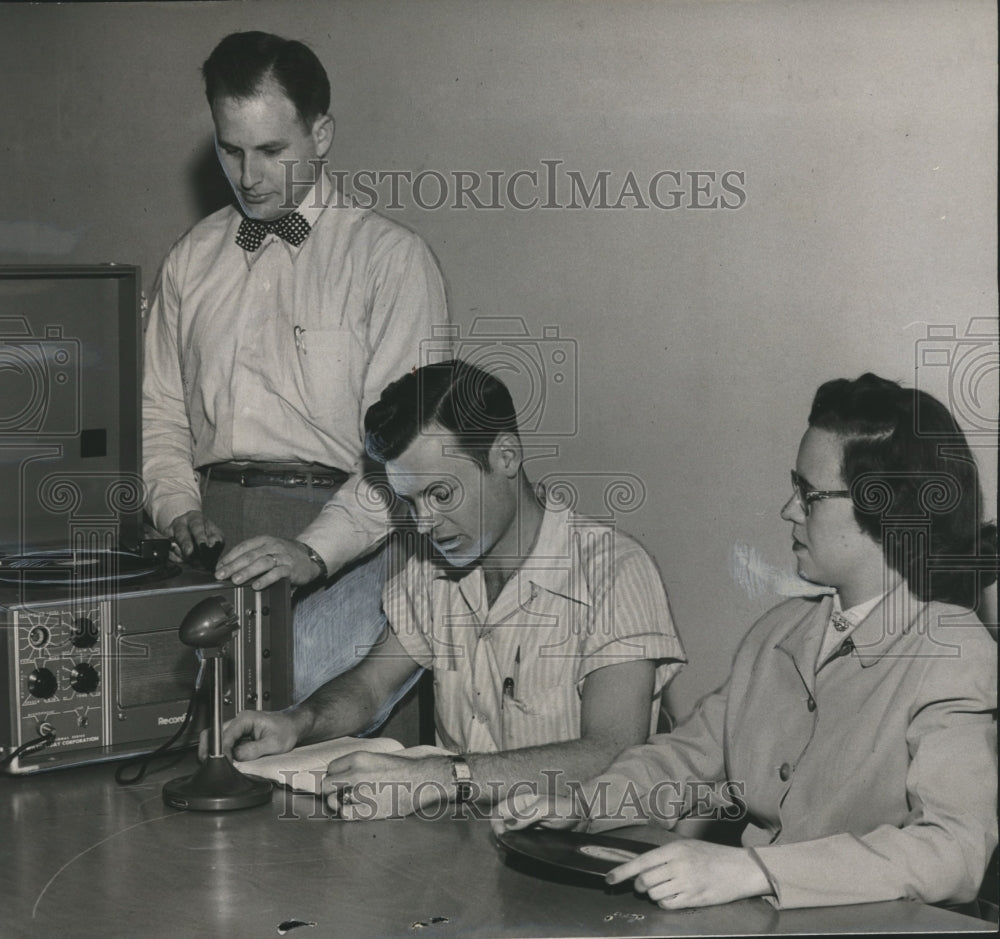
511	681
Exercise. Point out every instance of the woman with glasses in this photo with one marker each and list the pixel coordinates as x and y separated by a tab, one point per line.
856	734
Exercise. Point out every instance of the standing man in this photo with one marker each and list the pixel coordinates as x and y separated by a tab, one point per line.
549	635
273	327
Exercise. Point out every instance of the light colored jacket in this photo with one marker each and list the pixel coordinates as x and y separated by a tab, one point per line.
873	779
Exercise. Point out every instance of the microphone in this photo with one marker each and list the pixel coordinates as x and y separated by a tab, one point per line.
209	624
217	785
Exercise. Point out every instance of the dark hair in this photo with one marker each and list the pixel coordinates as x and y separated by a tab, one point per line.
242	62
464	399
914	485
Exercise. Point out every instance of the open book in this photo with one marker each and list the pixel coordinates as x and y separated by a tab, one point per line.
303	768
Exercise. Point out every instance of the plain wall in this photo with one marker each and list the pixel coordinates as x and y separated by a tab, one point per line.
866	133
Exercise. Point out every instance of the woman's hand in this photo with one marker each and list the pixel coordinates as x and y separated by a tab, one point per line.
688	873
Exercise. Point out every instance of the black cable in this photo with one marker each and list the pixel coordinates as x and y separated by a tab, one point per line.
143	760
31	746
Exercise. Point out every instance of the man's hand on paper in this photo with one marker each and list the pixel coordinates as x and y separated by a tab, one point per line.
252	734
365	786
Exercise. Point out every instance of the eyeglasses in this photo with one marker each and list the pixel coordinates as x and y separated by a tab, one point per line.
806	497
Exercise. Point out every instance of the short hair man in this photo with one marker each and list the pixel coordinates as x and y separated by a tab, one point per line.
272	328
550	637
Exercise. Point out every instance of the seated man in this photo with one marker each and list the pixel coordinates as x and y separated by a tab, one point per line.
549	636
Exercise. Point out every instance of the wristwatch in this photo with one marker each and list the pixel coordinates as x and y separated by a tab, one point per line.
462	775
317	560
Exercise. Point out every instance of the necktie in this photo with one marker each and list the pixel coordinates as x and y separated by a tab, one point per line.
293	228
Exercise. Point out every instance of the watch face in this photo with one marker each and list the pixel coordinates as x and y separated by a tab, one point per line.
460	770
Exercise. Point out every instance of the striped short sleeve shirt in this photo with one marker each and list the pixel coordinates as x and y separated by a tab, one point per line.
510	675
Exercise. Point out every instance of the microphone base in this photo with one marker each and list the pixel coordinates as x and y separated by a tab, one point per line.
217	786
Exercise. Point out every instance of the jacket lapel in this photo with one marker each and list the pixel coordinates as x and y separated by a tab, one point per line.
802	642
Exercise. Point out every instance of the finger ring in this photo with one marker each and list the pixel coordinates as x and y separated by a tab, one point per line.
346	795
274	560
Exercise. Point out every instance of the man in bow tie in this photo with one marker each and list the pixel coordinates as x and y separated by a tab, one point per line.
273	327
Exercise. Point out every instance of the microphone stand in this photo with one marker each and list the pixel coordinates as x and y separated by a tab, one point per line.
217	785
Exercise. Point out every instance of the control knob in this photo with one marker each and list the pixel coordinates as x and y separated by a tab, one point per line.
84	678
83	633
42	683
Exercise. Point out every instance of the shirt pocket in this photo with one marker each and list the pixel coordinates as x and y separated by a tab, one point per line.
540	715
330	363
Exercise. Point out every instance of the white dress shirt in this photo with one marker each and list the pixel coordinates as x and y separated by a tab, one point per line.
275	355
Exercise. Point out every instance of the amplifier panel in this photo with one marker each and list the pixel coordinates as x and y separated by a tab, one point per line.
109	677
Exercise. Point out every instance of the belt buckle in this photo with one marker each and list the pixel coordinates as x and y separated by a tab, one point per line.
296	479
244	479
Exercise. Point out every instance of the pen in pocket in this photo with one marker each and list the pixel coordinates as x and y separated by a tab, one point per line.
511	681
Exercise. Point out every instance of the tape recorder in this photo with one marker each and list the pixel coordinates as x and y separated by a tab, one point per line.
89	609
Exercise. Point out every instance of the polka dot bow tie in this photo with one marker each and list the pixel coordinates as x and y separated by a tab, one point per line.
293	228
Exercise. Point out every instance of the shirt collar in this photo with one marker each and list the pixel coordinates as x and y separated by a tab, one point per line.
884	621
311	207
553	564
857	613
841	626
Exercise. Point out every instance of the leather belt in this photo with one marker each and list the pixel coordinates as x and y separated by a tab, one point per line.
286	476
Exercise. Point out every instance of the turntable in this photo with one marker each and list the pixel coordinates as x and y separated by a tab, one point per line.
90	603
62	568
